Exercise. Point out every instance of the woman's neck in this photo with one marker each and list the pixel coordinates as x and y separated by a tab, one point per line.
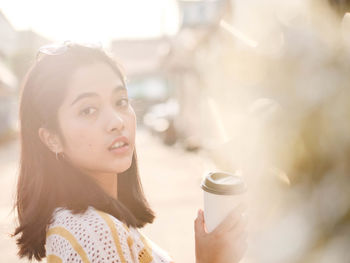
108	182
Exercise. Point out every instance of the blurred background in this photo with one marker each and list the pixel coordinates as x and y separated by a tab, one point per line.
255	87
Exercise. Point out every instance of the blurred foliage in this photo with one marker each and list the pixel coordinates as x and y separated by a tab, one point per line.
285	106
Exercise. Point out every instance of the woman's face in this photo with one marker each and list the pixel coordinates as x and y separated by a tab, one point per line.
94	113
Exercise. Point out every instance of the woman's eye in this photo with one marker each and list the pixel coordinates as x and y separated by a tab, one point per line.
123	102
88	111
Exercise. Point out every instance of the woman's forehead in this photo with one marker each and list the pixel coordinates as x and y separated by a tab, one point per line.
98	77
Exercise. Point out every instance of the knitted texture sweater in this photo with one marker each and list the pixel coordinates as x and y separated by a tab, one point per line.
97	237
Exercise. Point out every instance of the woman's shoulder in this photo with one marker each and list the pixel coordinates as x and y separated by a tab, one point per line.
97	235
90	224
85	236
63	217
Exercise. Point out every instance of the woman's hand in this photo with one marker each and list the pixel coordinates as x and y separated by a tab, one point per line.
226	243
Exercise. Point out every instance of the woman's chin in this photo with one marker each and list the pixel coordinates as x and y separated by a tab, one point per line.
122	168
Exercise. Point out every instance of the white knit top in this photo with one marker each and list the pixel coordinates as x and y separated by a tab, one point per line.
97	237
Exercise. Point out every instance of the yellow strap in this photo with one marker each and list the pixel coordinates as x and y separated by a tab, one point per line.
71	239
114	232
53	259
145	255
130	243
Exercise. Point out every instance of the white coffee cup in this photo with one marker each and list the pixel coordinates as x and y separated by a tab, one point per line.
222	193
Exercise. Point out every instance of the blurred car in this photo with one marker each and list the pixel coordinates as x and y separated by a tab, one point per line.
159	119
146	91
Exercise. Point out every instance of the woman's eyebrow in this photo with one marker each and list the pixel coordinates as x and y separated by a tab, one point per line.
92	94
84	95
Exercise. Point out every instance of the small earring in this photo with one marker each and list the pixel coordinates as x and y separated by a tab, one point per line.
58	155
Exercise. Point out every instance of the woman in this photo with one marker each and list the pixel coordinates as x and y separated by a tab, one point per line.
79	196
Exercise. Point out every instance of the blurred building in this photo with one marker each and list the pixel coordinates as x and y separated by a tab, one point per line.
141	56
143	63
8	80
197	37
17	52
8	37
172	62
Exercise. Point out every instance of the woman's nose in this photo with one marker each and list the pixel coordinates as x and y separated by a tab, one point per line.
115	122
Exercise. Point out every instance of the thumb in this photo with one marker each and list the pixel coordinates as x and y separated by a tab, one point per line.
199	228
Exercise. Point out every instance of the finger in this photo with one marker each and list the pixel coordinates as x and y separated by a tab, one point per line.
230	220
199	223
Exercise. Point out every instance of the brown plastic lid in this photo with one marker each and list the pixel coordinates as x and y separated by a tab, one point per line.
223	183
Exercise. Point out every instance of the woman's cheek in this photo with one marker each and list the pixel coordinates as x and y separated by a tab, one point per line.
79	139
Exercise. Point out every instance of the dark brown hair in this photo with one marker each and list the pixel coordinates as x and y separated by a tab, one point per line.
46	183
340	6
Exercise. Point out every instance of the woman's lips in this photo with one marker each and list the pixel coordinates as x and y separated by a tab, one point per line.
120	150
119	139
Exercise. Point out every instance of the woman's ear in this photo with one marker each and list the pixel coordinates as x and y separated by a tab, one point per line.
50	139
